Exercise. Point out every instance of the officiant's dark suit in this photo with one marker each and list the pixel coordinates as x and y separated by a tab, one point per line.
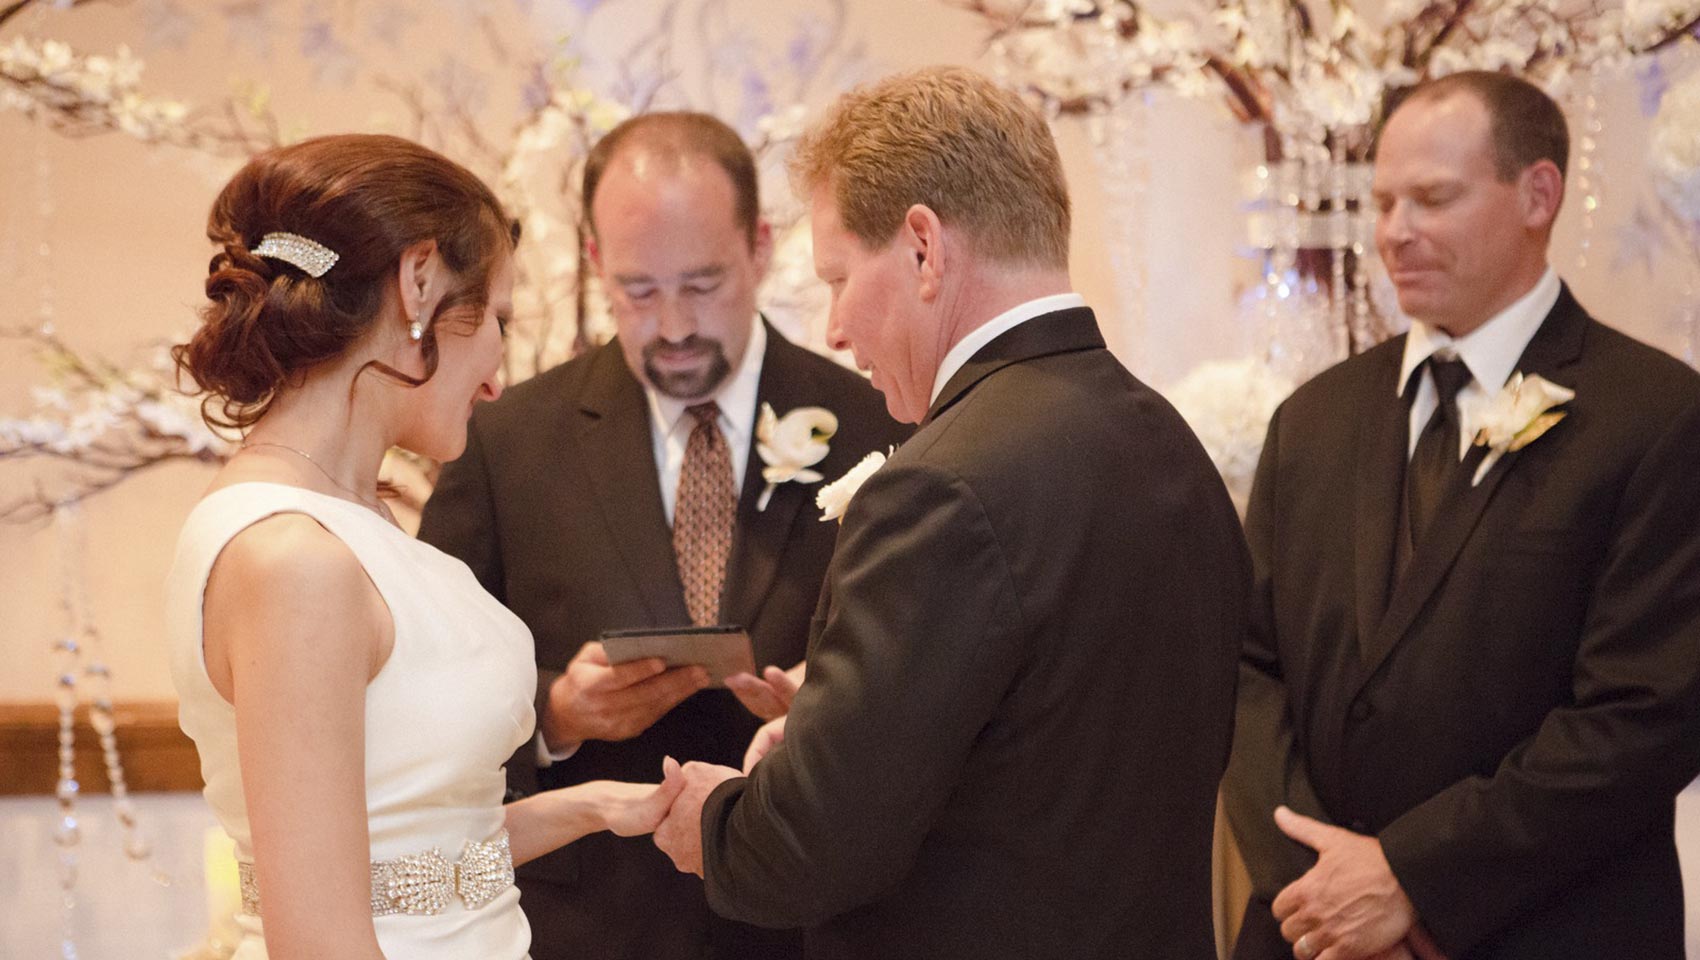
1509	705
1021	672
556	507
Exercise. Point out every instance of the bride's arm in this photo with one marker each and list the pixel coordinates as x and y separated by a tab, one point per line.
544	821
293	631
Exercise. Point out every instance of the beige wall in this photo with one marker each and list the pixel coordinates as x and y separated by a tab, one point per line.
127	253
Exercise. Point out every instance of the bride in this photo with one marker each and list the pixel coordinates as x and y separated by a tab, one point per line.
352	692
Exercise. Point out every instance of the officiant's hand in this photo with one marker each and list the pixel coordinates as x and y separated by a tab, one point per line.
680	835
768	737
1350	905
769	695
596	700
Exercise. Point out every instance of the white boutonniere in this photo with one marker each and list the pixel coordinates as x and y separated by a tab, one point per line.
834	498
1515	418
791	444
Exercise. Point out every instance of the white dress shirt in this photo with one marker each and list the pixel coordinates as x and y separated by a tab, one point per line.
1002	323
670	428
1491	351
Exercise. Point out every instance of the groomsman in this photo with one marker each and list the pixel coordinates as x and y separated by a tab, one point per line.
1471	691
625	489
1021	672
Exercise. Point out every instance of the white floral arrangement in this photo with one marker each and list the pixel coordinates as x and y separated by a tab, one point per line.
1228	404
1307	68
1647	22
105	422
1674	152
85	91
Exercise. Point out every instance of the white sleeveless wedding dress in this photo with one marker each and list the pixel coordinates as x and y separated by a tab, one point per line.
443	715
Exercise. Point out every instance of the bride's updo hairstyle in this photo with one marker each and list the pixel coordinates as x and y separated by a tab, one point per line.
366	198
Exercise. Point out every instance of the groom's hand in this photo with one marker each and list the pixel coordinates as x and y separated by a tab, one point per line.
680	835
769	695
596	700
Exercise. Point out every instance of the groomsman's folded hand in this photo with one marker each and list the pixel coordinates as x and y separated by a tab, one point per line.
1350	905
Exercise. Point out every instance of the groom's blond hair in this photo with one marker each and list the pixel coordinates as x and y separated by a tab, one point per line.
951	139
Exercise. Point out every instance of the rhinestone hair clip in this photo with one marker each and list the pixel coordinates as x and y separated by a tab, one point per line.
312	257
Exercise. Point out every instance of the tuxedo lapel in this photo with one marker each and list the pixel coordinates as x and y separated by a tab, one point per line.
761	535
1555	345
1378	489
611	425
1060	331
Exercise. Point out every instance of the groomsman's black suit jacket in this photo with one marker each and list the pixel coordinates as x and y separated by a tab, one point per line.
1514	717
556	507
1020	684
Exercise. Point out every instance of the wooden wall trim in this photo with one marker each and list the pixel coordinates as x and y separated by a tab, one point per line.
157	755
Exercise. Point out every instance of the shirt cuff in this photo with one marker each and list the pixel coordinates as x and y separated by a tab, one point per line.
547	757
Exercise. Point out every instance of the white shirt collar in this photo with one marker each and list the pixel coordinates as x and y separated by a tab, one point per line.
736	397
1002	323
1492	350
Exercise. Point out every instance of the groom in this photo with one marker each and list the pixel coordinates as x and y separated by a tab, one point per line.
1021	671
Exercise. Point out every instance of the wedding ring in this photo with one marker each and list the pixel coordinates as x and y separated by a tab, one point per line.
1302	949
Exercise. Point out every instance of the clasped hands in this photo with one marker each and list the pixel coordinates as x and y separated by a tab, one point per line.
680	834
596	700
1349	906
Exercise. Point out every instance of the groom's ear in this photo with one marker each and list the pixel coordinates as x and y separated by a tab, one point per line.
923	234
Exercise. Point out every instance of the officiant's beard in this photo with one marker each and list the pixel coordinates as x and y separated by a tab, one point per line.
697	382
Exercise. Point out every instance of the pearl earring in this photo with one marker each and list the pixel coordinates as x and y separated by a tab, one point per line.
415	330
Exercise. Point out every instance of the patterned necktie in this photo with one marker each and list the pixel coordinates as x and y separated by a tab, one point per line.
703	516
1435	460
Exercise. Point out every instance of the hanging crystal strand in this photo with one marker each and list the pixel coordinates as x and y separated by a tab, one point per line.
1361	223
1121	153
1587	183
78	652
44	314
1338	241
68	654
1280	274
99	679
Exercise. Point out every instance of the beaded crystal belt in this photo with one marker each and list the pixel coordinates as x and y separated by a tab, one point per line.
424	883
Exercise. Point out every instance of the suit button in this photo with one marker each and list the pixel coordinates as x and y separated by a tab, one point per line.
1361	710
1358	826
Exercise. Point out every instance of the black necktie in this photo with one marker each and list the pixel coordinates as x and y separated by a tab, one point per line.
1435	461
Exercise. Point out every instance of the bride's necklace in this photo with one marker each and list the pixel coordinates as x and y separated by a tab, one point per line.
375	505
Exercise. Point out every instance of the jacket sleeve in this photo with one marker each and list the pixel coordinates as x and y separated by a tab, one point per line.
921	636
1603	769
1265	767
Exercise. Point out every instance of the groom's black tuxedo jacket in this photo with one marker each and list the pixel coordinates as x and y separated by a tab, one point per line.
1020	684
556	507
1515	715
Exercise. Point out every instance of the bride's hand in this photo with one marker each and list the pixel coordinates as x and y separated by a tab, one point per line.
634	809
